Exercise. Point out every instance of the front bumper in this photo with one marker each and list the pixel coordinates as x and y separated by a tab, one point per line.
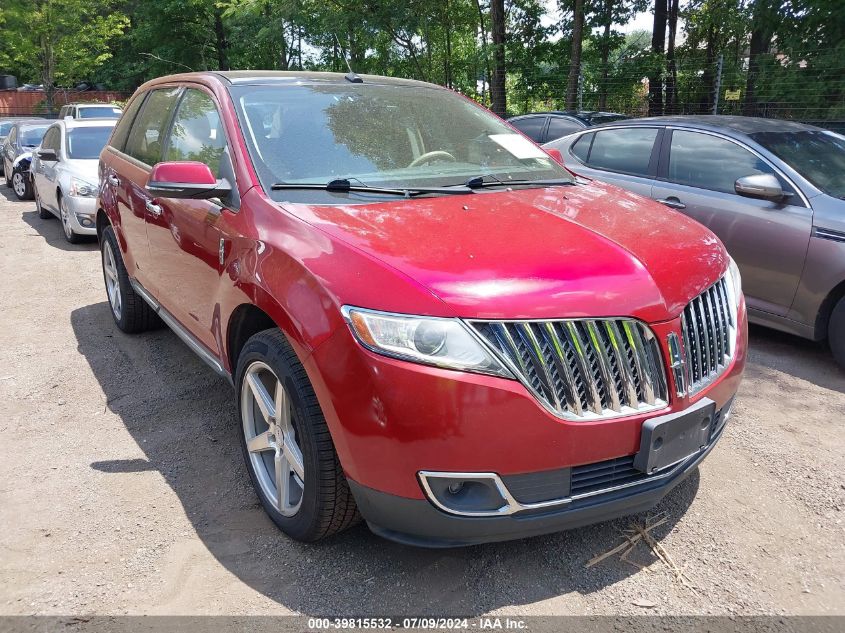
82	214
419	523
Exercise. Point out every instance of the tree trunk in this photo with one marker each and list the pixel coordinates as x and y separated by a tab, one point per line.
761	36
658	44
497	85
671	66
575	57
483	33
607	19
221	43
447	62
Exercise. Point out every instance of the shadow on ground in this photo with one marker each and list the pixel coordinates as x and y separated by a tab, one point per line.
808	360
51	230
183	417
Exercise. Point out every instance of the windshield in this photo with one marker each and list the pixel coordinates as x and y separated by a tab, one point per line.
817	155
87	142
31	136
381	136
104	112
5	127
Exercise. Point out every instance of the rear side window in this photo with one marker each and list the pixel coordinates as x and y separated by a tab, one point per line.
121	131
197	132
710	162
531	126
147	134
581	147
626	150
559	126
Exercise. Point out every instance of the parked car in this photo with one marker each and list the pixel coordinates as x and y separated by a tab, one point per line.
542	127
90	111
428	322
64	174
6	124
23	137
773	191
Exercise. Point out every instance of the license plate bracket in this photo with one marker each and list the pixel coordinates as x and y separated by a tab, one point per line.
669	439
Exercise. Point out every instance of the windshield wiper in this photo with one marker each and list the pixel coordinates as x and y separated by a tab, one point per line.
343	185
479	182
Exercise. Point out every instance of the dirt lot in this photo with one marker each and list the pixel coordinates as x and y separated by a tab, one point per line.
122	488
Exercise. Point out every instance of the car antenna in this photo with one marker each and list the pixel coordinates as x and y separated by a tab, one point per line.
351	76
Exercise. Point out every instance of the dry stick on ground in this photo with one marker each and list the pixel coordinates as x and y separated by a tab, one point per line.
630	542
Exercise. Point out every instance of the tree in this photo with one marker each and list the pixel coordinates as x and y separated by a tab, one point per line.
61	42
575	56
497	84
658	45
762	30
671	65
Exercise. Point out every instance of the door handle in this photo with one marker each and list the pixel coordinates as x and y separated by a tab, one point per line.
673	203
114	181
154	209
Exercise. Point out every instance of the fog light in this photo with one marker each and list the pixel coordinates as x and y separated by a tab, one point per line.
84	220
467	494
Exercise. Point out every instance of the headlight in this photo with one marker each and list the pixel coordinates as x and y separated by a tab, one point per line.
428	340
82	188
735	281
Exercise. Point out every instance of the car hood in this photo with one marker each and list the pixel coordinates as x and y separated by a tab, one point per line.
585	250
83	169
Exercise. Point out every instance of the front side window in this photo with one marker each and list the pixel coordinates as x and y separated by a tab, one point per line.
624	150
52	139
5	126
147	134
709	162
818	156
197	132
379	135
86	143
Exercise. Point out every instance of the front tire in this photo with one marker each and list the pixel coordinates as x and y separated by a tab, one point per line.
286	444
130	312
21	184
67	226
43	213
836	332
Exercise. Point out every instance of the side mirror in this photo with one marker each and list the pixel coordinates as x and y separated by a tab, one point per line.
762	186
48	155
555	154
186	179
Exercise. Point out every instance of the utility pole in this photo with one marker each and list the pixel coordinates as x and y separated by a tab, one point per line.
718	84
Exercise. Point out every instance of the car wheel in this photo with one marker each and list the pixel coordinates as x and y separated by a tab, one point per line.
836	332
131	313
64	214
43	213
286	444
21	184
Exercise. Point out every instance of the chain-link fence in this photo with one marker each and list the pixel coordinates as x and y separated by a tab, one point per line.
807	86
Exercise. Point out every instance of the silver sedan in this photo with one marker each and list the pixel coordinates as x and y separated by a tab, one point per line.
64	174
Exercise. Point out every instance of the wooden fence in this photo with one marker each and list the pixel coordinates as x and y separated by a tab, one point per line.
24	103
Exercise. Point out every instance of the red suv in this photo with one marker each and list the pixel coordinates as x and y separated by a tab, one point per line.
428	322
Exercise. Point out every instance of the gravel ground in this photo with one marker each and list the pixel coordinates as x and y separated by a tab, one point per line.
122	488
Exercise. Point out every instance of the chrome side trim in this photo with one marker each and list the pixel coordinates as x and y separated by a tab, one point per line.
198	348
828	234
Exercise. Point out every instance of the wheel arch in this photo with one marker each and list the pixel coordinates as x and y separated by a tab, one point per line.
826	309
246	321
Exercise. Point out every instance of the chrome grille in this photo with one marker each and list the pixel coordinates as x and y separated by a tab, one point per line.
708	325
583	369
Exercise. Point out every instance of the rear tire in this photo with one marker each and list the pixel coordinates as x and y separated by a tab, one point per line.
286	444
130	312
43	213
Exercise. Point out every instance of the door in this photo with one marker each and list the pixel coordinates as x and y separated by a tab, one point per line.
127	172
9	152
768	240
44	173
185	235
624	156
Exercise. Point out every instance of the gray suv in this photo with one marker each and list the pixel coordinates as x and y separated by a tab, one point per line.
773	191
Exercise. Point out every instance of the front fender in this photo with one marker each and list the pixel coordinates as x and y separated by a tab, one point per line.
24	160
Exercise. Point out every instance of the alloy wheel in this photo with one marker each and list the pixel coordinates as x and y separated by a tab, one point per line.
65	219
18	184
112	280
274	453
